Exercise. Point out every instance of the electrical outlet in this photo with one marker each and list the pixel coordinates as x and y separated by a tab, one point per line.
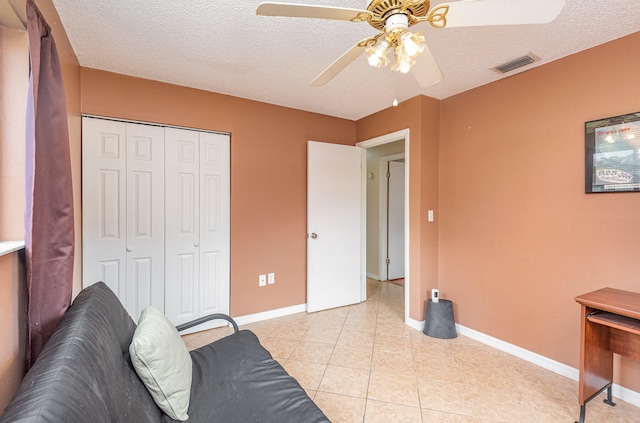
262	280
272	278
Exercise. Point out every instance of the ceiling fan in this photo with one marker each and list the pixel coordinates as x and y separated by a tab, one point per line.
393	18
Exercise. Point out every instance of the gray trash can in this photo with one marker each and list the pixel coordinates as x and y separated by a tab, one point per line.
439	321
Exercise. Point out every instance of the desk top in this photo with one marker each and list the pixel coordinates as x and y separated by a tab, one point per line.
613	300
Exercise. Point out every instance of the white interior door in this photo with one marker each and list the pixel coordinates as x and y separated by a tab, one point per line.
334	225
395	221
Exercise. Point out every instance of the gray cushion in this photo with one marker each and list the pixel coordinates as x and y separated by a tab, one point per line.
84	373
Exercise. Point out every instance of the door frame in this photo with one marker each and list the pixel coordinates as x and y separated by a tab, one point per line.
383	221
374	142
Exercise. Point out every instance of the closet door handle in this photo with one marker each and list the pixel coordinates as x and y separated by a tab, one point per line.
129	249
195	244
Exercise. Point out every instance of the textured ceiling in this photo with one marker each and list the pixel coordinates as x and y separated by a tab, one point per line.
222	46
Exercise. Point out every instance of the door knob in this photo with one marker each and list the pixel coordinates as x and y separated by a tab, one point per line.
314	235
195	244
129	249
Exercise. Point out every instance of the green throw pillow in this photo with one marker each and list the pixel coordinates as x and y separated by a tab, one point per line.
162	361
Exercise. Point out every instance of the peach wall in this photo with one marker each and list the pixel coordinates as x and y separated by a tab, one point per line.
12	326
421	115
519	238
14	82
268	173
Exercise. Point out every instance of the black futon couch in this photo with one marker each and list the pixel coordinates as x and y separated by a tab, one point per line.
85	374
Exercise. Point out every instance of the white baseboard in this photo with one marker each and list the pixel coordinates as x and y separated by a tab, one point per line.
373	276
271	314
250	318
414	324
620	392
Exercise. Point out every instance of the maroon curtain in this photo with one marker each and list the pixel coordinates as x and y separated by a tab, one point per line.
49	232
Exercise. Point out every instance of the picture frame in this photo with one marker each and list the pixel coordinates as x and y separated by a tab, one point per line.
612	154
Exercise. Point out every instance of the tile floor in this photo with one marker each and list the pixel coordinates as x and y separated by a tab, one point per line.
363	364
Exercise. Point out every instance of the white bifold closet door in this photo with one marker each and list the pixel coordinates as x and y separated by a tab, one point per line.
156	217
123	211
197	224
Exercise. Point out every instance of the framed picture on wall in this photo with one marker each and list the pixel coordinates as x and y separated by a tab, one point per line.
612	154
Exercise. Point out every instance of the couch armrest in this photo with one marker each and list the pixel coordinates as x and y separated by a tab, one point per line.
201	320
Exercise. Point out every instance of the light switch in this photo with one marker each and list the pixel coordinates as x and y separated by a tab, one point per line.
430	215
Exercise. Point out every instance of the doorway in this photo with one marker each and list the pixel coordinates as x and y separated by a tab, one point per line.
385	145
391	216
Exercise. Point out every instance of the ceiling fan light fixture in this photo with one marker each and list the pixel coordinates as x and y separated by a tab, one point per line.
403	62
413	44
377	54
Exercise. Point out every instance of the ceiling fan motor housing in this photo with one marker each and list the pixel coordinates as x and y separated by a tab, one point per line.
384	9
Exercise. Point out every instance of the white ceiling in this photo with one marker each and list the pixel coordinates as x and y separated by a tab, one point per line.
222	46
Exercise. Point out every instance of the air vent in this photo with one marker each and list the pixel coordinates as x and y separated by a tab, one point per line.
516	63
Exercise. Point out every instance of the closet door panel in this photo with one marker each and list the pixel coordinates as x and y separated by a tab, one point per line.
182	225
214	217
145	217
104	204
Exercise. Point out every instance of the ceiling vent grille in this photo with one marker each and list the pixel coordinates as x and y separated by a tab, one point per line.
516	63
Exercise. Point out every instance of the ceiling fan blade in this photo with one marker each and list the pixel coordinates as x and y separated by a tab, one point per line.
336	67
309	11
502	12
426	70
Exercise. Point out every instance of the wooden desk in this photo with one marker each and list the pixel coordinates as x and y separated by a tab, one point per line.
609	323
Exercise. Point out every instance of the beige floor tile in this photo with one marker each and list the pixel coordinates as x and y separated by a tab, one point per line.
325	334
384	412
341	408
280	348
331	318
394	327
355	339
384	362
488	375
445	396
307	374
499	405
345	381
391	289
361	323
539	382
400	346
438	366
315	352
433	416
261	329
393	313
288	331
357	358
392	388
549	409
598	411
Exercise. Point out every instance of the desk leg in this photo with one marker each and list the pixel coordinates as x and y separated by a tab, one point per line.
583	410
609	400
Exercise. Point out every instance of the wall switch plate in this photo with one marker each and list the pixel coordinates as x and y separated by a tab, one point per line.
430	215
271	277
262	280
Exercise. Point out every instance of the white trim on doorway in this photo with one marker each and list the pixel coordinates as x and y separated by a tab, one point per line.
402	134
